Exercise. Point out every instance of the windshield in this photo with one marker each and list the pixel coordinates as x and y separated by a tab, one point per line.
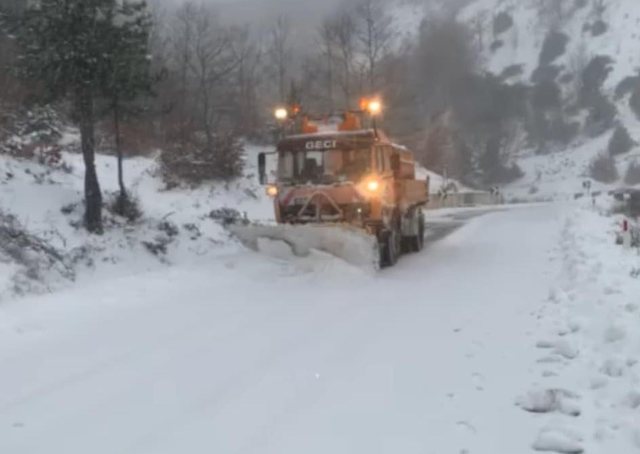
331	166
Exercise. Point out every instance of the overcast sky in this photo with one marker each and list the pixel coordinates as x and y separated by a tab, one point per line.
305	15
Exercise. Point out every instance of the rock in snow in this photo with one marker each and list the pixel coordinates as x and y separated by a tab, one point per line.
559	440
550	400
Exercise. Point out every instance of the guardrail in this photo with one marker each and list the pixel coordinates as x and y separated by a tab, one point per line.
464	200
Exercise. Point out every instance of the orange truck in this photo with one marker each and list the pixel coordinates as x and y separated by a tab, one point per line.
337	175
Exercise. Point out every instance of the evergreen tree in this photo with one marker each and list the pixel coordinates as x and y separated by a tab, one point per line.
78	50
129	76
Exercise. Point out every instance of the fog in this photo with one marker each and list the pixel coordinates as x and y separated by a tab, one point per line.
258	10
305	15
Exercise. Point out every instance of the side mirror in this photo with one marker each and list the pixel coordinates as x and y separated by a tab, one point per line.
395	164
262	168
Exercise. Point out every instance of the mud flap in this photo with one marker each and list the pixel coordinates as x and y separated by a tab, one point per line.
350	244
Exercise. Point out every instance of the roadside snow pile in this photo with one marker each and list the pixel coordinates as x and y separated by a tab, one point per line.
43	243
438	183
589	387
28	264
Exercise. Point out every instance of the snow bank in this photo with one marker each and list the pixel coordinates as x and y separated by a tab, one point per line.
176	226
29	264
593	309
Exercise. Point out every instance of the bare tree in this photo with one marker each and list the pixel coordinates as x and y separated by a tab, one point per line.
375	35
578	61
10	88
327	39
280	53
211	58
344	31
599	7
250	59
11	91
552	13
478	25
183	35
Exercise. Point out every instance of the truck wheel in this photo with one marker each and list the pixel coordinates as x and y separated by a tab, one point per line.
415	243
418	241
390	248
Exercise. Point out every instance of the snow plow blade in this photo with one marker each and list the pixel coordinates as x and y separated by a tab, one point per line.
350	244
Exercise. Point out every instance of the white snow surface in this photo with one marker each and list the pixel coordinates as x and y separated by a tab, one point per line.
246	353
36	195
592	309
483	343
560	175
522	42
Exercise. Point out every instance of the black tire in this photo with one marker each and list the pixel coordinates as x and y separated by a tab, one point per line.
413	244
418	241
390	248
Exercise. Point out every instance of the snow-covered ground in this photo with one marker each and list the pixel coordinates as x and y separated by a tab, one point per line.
560	175
244	353
483	343
522	43
48	204
588	364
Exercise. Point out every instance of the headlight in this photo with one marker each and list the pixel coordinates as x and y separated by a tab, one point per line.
281	114
373	185
272	191
375	107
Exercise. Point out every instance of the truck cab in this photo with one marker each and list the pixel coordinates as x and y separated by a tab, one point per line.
349	175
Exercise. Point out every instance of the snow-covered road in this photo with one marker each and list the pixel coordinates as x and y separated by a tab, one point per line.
251	355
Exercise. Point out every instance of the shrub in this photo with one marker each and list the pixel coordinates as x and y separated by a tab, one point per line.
621	142
593	77
511	71
601	118
546	73
501	23
555	44
128	207
603	169
546	95
39	264
632	176
33	134
627	85
598	28
197	163
225	216
634	102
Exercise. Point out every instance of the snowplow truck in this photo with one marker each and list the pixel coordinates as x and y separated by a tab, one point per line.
345	190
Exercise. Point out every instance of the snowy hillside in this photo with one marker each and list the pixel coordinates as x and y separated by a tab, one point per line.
560	176
177	225
525	42
522	41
